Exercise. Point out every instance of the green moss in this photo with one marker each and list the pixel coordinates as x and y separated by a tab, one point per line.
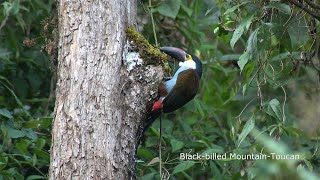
149	53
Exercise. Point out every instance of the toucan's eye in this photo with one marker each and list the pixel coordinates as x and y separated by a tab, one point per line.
188	57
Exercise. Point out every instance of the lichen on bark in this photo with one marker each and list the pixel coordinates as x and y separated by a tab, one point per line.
150	54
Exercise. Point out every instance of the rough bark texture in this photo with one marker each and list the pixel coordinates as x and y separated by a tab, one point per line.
100	106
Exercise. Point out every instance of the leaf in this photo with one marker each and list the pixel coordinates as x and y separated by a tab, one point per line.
150	176
30	134
6	113
246	130
142	153
246	22
15	7
215	170
34	159
244	25
247	71
41	153
13	133
7	8
244	88
15	96
229	57
32	124
46	122
3	162
274	109
309	165
243	60
203	138
170	8
235	7
304	174
154	161
272	130
22	146
250	50
35	177
40	143
281	7
4	54
186	9
176	145
183	166
292	131
282	35
215	149
252	43
236	35
199	108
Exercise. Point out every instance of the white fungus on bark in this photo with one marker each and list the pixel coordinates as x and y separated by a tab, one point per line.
131	59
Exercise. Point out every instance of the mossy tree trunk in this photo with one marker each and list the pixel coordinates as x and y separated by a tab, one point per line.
100	105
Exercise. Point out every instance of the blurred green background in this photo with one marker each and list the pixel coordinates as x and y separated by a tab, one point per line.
259	91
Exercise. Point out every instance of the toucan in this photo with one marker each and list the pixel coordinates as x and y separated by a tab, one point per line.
181	88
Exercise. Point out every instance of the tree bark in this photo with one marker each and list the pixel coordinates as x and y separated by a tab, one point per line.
100	105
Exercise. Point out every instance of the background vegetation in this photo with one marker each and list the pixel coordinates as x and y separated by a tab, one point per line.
25	78
259	91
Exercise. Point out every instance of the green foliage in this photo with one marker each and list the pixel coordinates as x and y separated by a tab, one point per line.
169	8
246	130
257	73
24	90
253	88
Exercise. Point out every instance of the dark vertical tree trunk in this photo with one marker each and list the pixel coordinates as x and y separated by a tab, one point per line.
100	105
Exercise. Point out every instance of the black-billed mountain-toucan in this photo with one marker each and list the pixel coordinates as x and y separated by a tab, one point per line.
181	88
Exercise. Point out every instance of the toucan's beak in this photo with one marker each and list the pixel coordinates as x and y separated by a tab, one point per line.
174	52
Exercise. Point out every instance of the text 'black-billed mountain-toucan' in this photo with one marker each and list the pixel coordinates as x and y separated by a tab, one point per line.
181	88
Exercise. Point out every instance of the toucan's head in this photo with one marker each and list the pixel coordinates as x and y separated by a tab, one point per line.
183	56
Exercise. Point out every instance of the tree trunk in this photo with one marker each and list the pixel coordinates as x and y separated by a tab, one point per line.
100	105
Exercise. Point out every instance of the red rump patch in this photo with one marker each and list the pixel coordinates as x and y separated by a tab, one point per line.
157	105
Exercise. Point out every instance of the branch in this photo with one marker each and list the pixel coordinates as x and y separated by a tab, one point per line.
304	8
313	5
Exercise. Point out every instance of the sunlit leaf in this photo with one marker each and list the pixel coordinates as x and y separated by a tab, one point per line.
176	145
250	50
236	35
154	161
274	109
6	113
7	8
183	166
244	25
244	88
246	130
243	60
